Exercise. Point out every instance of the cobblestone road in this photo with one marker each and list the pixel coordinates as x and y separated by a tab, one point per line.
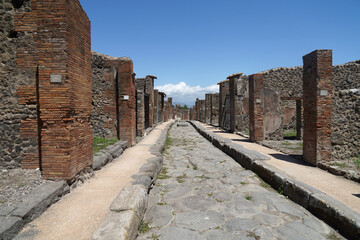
201	193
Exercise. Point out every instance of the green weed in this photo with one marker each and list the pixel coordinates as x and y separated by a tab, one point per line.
100	143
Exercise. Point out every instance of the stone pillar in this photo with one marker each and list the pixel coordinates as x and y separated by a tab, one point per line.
150	91
156	106
233	92
318	91
197	110
256	107
207	108
171	114
224	91
214	109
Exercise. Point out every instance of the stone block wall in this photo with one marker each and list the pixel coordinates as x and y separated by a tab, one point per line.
202	111
49	84
214	100
161	106
156	107
346	111
256	107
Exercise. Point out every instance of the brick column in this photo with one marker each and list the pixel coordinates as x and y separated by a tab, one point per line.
127	100
317	88
233	92
156	106
256	107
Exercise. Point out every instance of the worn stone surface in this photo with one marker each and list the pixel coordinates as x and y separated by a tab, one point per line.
221	200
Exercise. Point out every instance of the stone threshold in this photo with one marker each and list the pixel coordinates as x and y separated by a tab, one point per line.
326	208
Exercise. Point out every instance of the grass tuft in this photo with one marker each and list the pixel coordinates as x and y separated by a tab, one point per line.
100	143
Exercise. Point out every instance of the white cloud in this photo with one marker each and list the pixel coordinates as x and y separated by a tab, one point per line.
185	94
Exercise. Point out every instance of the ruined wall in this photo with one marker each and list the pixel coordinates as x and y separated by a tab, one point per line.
18	104
278	115
156	106
214	99
50	85
242	104
104	113
202	110
346	111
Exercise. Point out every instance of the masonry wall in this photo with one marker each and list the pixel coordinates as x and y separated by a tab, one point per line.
224	105
104	117
214	99
280	114
54	65
17	81
346	111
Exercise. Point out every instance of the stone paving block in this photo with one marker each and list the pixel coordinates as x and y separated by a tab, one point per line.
159	215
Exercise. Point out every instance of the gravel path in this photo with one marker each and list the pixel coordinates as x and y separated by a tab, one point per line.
201	193
16	185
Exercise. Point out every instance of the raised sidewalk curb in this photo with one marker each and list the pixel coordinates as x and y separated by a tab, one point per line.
128	208
13	218
326	208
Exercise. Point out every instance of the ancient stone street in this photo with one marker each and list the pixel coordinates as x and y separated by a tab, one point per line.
201	193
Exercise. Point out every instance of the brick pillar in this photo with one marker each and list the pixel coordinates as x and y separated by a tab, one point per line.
140	113
233	92
256	107
318	91
156	106
127	100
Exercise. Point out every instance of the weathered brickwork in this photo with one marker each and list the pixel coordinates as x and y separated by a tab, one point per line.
202	110
234	100
207	108
161	106
318	92
156	107
214	100
53	55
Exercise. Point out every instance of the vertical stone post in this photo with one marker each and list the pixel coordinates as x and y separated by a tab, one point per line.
224	91
233	92
207	108
318	91
298	119
150	90
197	110
256	107
214	109
156	106
171	114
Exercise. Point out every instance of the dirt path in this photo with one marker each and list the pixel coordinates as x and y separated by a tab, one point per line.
339	188
78	214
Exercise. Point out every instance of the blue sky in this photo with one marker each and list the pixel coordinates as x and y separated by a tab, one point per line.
191	45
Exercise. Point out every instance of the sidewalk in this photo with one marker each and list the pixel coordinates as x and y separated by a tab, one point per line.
78	214
343	190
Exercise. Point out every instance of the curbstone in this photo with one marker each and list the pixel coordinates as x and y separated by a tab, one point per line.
326	208
10	226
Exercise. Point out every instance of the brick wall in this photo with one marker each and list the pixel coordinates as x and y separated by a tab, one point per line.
61	57
317	90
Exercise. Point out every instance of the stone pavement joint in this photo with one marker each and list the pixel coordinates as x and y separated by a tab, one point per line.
330	210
